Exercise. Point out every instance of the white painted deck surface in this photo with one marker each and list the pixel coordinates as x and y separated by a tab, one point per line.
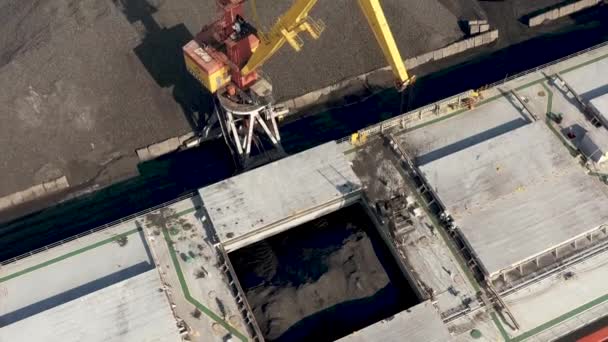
103	264
279	192
88	289
517	195
131	310
589	81
420	323
194	252
555	296
470	128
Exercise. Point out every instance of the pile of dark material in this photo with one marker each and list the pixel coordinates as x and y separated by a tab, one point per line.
322	280
76	100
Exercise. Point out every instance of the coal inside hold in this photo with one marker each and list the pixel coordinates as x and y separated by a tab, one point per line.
322	280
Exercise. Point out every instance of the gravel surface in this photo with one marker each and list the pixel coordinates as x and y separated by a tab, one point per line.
75	99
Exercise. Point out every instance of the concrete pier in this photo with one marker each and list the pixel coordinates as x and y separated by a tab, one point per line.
561	11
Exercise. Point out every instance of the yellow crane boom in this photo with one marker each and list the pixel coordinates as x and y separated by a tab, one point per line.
286	30
296	20
377	22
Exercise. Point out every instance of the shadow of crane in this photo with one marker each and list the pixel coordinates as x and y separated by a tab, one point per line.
160	51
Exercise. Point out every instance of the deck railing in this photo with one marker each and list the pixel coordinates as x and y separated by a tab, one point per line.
96	229
399	119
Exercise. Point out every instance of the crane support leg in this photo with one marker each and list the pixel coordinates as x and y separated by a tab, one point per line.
377	21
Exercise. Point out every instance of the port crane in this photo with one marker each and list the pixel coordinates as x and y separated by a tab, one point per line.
226	56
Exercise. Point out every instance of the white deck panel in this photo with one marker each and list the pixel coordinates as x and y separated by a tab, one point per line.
279	191
517	195
439	139
420	323
487	171
131	310
589	81
601	104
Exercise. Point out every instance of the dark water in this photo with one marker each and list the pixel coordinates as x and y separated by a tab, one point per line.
161	180
169	177
298	256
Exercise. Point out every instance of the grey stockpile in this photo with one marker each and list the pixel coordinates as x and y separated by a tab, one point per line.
525	7
74	95
465	9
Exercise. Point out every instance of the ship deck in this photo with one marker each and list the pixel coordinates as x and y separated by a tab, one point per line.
442	156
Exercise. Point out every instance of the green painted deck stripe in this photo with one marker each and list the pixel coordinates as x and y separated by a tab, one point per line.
241	336
490	99
573	152
186	291
178	270
574	312
578	310
501	329
448	241
558	319
548	121
67	255
567	70
549	98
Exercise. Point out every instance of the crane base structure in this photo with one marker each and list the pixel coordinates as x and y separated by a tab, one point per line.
243	102
254	122
226	56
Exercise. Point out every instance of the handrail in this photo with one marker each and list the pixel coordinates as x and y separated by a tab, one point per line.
546	65
248	316
396	121
96	229
392	122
